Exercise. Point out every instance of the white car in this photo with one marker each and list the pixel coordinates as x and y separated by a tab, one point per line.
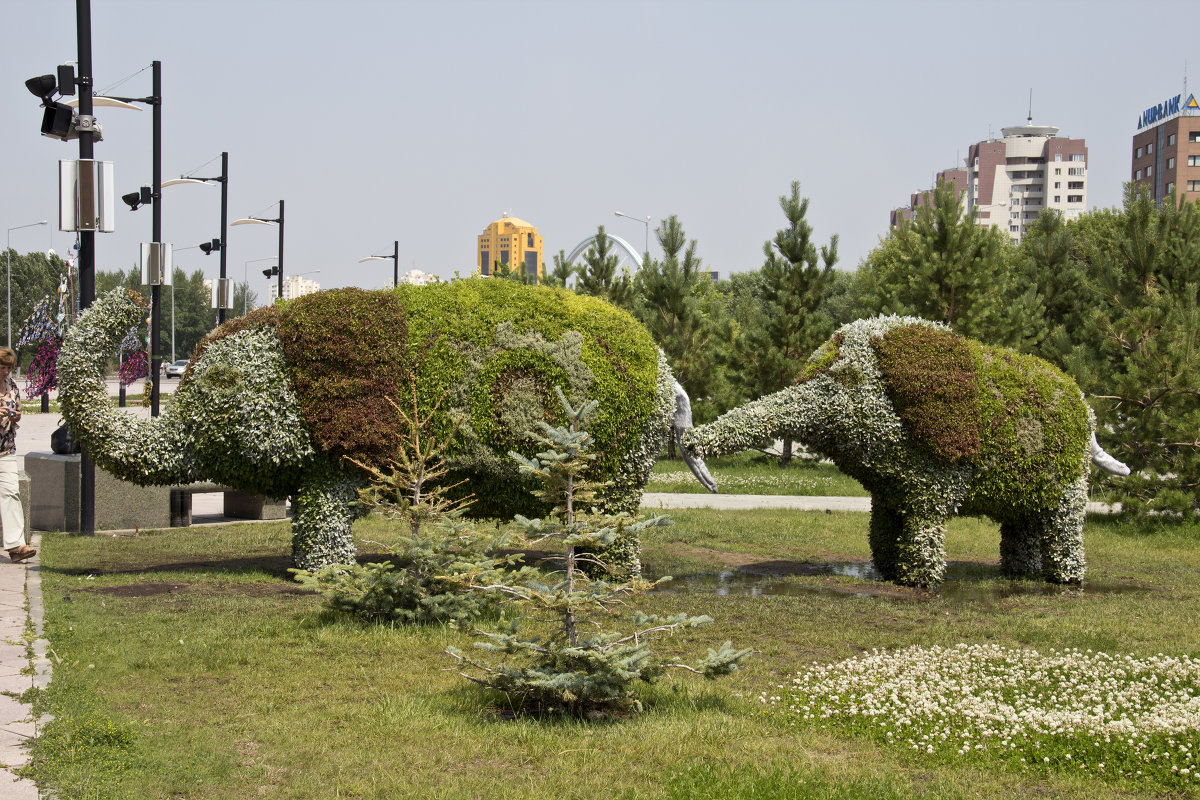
175	369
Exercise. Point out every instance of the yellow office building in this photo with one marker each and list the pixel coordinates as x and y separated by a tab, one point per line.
511	241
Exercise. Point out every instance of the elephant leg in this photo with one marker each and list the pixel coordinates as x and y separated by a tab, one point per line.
887	529
907	548
321	517
921	556
1062	536
1021	548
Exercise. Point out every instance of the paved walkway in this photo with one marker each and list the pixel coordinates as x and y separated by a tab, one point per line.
23	666
652	500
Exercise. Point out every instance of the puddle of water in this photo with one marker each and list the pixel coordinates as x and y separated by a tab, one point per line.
965	582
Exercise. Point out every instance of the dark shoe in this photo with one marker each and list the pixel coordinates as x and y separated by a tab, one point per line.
19	554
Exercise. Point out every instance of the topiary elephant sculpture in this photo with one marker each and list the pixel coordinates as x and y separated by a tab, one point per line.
932	425
276	402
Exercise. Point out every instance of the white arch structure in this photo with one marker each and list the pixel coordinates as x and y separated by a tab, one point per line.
621	243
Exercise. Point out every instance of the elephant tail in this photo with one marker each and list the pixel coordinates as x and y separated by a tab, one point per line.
682	424
1106	462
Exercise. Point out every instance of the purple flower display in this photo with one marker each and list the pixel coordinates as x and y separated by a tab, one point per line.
134	367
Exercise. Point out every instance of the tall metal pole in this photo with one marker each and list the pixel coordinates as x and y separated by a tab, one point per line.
87	244
280	249
395	263
224	218
156	236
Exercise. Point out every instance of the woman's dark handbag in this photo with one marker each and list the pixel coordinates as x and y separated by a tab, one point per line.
62	442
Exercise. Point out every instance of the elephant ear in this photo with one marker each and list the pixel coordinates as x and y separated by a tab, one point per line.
347	352
931	378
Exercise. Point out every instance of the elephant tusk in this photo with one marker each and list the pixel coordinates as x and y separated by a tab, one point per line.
1106	462
682	424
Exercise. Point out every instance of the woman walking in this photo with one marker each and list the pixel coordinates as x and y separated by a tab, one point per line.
12	515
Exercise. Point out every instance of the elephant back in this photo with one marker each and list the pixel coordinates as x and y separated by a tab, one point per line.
489	352
1016	419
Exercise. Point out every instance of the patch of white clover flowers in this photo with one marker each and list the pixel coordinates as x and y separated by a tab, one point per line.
1067	709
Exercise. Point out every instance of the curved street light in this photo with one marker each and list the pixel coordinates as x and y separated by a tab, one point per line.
8	260
645	222
219	244
266	221
153	195
395	257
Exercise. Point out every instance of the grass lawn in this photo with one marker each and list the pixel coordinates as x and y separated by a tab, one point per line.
189	666
754	473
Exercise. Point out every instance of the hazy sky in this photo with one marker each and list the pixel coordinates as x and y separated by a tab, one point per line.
425	121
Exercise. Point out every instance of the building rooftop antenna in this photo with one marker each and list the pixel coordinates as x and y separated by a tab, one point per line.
1029	119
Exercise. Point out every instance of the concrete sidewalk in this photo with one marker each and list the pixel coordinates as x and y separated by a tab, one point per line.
664	500
23	666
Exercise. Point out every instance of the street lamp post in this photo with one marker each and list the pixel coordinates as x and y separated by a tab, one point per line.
645	222
263	221
155	200
246	281
222	243
395	257
8	259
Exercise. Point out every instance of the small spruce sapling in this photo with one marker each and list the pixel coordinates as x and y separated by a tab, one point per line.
420	582
576	667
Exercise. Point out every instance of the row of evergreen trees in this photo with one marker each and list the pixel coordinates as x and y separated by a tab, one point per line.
1111	298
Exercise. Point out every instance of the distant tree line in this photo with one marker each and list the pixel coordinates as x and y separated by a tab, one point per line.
1110	298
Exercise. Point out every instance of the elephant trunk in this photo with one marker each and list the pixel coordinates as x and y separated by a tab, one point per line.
146	452
782	415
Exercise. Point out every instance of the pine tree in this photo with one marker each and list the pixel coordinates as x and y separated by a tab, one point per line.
574	666
943	266
1140	355
598	277
420	581
562	273
785	321
675	304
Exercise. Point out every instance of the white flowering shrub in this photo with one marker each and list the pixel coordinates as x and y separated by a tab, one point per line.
1113	715
933	425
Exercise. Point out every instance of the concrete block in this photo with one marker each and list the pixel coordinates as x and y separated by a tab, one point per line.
120	505
23	479
241	505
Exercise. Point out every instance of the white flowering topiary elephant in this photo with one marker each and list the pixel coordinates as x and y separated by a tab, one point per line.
933	425
281	401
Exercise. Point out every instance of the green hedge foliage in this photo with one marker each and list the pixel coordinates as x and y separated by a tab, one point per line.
498	347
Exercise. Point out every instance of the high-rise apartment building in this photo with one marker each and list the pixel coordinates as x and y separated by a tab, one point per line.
1030	169
957	177
293	286
511	241
1166	149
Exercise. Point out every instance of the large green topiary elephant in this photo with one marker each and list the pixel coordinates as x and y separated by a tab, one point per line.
276	401
932	425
